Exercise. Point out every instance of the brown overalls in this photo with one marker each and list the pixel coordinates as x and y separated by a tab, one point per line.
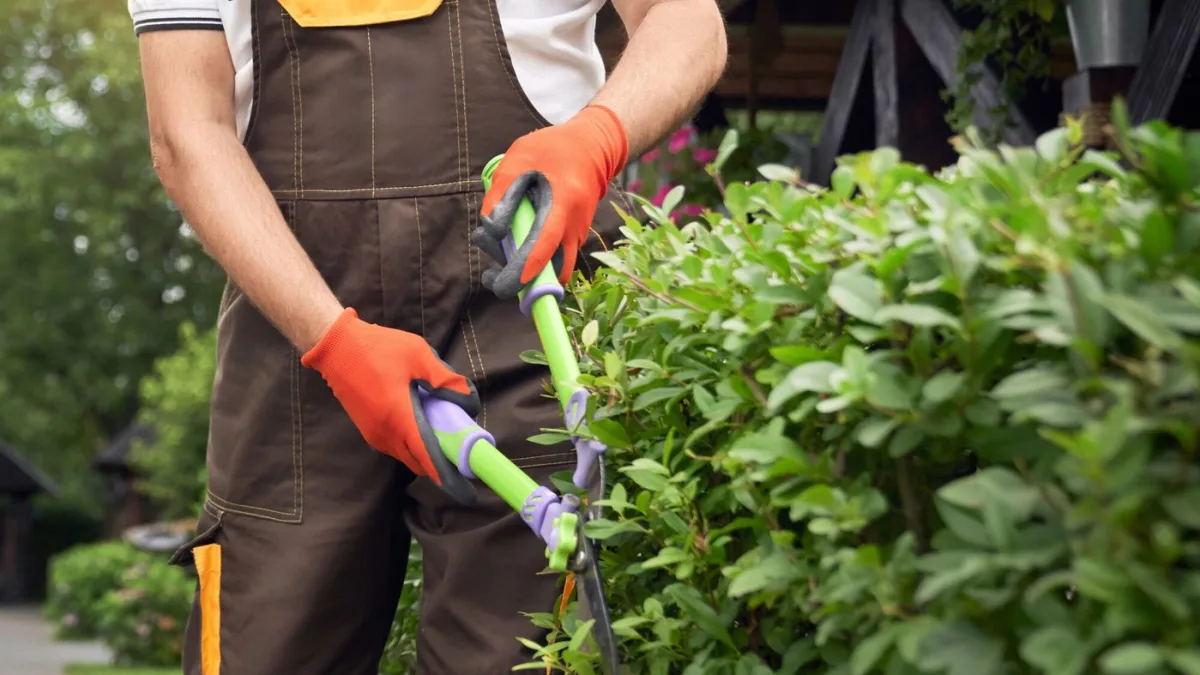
372	140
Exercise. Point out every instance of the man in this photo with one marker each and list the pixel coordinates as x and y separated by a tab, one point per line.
328	154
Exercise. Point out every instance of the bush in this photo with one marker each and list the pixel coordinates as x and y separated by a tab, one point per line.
142	622
132	600
911	424
175	403
79	578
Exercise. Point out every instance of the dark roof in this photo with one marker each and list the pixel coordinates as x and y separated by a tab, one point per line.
115	455
19	477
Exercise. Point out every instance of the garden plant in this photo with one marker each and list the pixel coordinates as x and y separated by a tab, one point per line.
913	423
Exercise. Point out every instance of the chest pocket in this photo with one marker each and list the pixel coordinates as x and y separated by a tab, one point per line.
341	13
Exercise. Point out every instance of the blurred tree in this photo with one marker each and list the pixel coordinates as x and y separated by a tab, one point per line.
97	269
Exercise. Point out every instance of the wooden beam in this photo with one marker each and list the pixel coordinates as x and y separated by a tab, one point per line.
845	89
883	67
939	35
1168	55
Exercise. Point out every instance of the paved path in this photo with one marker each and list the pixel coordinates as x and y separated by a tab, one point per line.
26	647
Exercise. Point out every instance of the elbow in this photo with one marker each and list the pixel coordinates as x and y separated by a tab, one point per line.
166	155
720	44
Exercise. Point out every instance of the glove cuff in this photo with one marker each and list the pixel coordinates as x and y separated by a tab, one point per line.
610	137
337	338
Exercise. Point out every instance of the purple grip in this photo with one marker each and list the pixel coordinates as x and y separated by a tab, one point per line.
586	450
448	418
541	508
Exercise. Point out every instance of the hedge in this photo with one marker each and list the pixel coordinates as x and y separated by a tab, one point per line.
913	423
129	599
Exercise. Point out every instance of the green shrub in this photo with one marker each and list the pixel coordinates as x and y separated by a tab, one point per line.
400	655
79	578
142	622
911	424
175	403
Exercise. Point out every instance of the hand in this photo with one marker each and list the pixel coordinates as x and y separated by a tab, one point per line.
564	170
375	372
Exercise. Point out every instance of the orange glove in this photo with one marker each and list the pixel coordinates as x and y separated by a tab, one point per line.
375	372
565	171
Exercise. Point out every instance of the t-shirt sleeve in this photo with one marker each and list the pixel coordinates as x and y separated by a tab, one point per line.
151	15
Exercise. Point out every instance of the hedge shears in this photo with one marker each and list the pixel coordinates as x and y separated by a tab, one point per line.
556	519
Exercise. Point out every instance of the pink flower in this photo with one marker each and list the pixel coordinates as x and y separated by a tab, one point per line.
635	185
692	209
680	139
704	155
661	194
651	156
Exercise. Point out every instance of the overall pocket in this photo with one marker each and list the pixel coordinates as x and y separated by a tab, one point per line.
256	435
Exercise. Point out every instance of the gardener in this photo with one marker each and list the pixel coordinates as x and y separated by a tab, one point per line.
328	153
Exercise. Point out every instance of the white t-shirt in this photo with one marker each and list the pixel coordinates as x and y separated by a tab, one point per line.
552	44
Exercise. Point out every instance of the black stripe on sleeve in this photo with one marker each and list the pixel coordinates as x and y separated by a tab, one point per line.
177	23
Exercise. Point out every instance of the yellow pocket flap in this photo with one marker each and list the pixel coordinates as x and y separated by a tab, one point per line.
340	13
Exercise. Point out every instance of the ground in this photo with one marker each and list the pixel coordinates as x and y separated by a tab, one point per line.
28	648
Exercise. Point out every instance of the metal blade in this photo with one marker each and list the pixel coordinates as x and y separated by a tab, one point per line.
591	598
590	585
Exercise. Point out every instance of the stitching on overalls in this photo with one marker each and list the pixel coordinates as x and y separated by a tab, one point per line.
482	368
462	329
465	159
253	511
420	265
457	111
283	19
371	76
511	80
458	184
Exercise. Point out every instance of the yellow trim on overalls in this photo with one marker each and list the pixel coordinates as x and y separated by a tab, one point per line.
208	568
341	13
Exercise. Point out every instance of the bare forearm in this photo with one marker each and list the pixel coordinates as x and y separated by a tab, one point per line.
675	55
209	175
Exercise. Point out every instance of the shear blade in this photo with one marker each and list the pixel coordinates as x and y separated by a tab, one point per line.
588	582
593	605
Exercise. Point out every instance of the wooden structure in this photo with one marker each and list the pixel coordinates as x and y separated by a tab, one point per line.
878	67
19	483
125	506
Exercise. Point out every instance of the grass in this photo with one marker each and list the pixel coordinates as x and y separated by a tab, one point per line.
89	669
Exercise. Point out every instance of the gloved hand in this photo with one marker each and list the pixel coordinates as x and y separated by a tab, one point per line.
375	372
565	171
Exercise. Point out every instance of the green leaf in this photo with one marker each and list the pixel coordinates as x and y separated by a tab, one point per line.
1184	507
905	440
959	648
873	431
700	612
1032	382
1143	321
672	199
993	484
856	293
729	143
590	333
737	200
809	377
917	315
871	650
1055	650
943	386
1131	658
